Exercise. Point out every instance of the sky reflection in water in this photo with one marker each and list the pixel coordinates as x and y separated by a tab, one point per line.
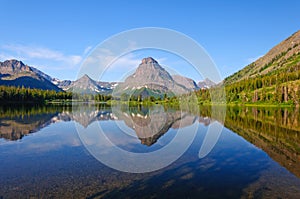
42	155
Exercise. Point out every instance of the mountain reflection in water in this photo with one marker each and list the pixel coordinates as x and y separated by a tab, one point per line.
149	123
60	157
275	130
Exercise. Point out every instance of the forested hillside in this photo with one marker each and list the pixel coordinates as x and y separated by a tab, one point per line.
10	94
273	78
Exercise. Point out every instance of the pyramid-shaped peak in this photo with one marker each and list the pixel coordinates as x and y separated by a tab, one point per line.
149	60
85	76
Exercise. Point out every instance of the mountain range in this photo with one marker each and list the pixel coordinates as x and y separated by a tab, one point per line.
149	78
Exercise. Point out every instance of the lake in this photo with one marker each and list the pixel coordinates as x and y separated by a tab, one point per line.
70	152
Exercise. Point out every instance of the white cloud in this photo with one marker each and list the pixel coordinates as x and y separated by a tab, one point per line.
5	56
104	61
126	62
24	52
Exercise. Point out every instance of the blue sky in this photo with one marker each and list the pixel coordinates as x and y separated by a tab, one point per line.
55	36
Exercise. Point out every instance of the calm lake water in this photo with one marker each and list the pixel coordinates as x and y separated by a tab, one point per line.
43	152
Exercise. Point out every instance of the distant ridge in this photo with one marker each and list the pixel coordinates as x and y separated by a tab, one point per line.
86	85
16	73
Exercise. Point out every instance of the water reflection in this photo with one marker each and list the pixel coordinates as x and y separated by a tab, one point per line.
149	123
153	122
53	163
18	121
275	130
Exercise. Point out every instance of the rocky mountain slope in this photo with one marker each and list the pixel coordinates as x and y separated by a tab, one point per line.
87	85
16	73
150	79
186	82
